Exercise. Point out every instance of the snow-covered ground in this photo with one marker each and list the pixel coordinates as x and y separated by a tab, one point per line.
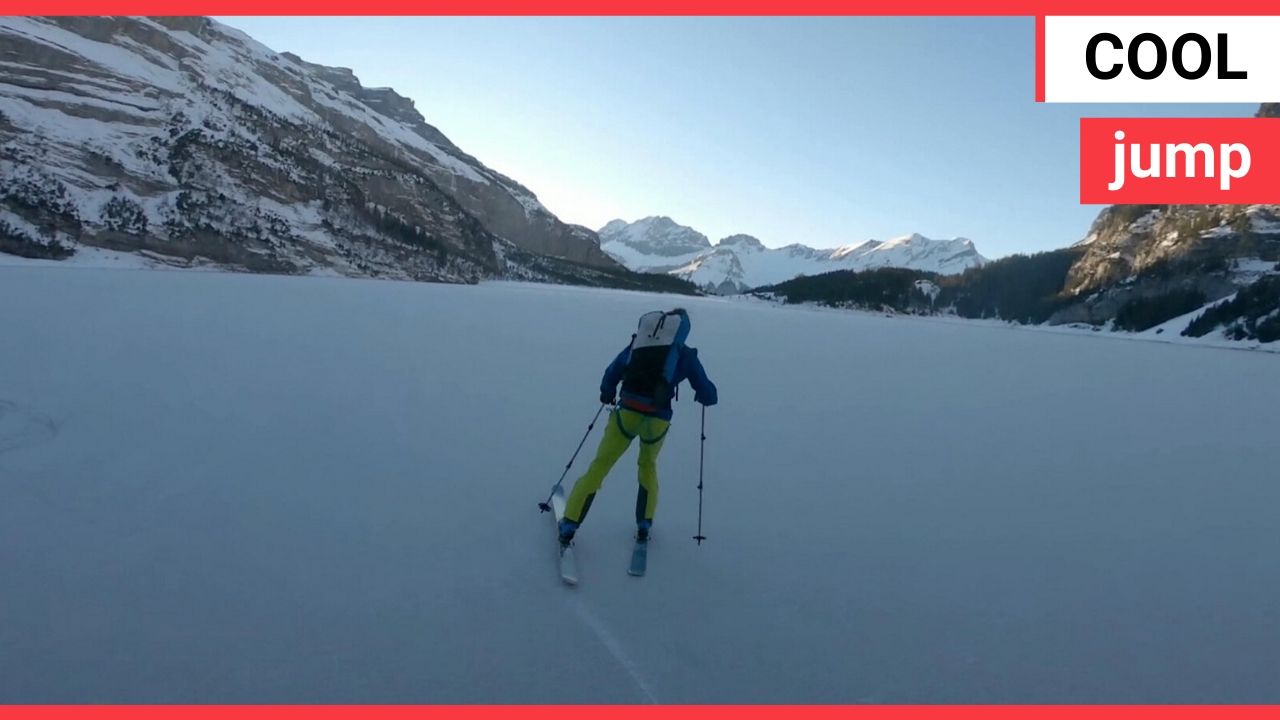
235	488
89	257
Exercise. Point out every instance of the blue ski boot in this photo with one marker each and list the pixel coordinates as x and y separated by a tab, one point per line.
567	530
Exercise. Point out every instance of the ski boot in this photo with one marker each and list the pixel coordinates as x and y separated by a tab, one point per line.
568	529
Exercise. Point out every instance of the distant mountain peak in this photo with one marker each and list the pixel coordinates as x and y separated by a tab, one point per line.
744	242
660	221
739	262
656	236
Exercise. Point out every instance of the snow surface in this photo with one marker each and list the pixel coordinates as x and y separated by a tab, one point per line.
237	488
1263	226
1173	328
1251	267
85	257
640	261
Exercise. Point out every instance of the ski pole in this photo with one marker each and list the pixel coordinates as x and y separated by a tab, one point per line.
546	506
702	447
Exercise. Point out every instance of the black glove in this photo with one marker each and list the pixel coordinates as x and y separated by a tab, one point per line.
606	397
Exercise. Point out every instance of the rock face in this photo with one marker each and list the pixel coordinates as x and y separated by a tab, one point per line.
1130	239
740	262
1145	251
185	138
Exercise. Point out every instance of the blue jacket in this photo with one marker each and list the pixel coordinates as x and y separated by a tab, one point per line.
688	367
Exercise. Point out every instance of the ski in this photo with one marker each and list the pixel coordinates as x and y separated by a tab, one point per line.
639	558
568	565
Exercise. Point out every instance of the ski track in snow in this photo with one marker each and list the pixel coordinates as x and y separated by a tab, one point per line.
616	648
22	427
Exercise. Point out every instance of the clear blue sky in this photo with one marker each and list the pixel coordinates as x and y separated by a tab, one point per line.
824	131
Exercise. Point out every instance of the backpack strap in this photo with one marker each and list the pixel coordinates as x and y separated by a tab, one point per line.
654	441
617	420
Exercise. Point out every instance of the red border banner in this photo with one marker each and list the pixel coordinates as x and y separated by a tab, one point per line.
639	7
1039	58
640	712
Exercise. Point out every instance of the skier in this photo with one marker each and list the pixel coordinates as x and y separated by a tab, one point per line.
650	368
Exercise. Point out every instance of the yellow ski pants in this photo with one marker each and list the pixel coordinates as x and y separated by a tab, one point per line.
624	426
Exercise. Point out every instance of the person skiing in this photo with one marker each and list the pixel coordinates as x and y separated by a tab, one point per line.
650	369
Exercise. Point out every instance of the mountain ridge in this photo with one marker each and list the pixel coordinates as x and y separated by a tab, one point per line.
186	138
736	263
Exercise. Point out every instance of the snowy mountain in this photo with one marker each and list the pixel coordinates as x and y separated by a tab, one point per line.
740	262
1143	252
657	239
1198	271
1129	240
184	139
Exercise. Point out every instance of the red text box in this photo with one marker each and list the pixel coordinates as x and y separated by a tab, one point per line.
1177	161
